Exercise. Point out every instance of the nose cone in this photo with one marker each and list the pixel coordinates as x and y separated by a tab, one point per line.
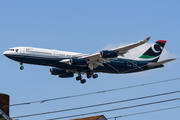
5	53
10	54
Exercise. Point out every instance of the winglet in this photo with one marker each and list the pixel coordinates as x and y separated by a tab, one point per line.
146	40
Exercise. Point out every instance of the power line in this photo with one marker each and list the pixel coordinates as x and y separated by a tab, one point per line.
144	112
99	104
136	113
116	109
110	90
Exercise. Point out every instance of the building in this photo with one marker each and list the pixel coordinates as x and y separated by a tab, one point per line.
100	117
4	107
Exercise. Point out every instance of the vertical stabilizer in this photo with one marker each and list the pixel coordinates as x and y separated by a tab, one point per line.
154	52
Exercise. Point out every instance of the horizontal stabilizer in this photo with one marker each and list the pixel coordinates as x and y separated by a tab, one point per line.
160	63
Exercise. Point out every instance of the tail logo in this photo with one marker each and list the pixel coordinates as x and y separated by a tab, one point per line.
156	51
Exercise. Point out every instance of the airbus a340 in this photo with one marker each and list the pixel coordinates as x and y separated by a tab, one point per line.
66	64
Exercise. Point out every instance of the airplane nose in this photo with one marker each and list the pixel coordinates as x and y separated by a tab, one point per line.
5	53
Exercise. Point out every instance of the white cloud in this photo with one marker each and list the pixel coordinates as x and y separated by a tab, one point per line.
166	55
138	51
110	46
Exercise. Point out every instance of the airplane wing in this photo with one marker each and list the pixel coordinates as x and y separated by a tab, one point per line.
160	63
95	60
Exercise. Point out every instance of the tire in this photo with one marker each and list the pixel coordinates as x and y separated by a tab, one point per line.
21	68
83	81
95	76
88	76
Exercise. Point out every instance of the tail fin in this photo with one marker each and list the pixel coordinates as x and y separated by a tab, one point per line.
154	52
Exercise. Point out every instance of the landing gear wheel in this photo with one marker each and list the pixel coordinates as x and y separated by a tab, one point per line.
21	68
95	76
88	76
83	81
78	78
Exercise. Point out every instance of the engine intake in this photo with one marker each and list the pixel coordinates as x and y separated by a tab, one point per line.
77	62
108	54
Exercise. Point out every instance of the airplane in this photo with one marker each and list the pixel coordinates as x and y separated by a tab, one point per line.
65	64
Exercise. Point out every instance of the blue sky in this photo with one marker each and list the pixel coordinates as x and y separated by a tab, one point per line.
87	27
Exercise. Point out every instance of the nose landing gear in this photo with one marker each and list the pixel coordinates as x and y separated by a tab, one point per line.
22	67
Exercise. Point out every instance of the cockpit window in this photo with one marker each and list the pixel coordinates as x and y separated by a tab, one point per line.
16	50
11	50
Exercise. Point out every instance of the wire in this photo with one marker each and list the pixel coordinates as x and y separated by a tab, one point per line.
99	104
136	113
145	112
117	109
72	96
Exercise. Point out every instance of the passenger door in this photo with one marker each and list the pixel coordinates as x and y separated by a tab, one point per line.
22	50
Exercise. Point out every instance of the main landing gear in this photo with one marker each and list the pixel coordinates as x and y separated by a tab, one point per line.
93	76
79	77
89	75
22	67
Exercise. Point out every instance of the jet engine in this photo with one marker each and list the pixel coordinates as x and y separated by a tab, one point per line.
57	71
61	73
108	54
77	62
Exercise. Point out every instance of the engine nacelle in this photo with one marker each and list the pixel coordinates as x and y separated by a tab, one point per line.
57	71
78	62
61	73
67	75
108	54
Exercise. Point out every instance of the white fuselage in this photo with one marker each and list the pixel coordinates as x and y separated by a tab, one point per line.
40	53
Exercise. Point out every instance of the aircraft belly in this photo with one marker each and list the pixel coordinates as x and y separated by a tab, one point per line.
72	68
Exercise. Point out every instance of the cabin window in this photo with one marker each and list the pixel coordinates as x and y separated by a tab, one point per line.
37	51
61	55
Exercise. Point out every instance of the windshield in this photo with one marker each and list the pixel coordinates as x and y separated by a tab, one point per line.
11	50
